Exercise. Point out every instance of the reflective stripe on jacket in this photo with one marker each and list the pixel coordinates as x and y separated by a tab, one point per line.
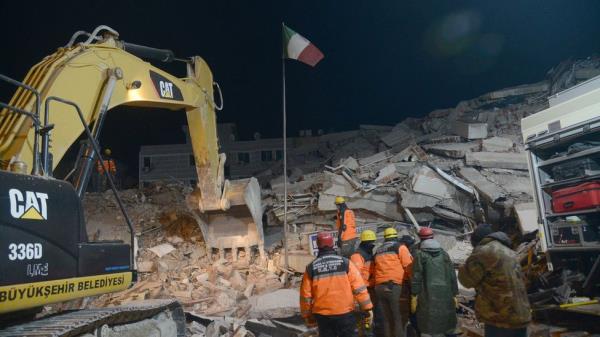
364	262
348	220
112	168
330	285
392	262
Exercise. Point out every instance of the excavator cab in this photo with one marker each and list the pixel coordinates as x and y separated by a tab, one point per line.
48	256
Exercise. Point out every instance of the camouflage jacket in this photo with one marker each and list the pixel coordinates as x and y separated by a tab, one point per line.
494	272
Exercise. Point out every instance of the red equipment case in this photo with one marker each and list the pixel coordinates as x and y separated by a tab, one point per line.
583	196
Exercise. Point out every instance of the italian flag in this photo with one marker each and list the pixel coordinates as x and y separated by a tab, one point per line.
297	47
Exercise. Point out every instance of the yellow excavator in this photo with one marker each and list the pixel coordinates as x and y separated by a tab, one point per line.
47	256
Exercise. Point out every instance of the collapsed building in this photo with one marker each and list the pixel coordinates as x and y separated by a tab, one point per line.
449	170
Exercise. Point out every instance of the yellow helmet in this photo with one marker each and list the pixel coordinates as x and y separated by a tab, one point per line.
367	235
340	200
390	233
107	152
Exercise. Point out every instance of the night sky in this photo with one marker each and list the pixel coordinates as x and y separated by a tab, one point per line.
384	60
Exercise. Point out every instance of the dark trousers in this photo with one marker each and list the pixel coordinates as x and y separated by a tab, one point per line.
337	325
494	331
378	319
388	297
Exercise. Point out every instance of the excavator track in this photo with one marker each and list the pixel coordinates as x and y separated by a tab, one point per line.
89	320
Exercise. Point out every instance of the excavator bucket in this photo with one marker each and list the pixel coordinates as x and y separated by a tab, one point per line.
239	226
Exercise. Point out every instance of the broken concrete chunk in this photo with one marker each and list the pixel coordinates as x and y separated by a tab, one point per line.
387	174
237	281
249	289
162	249
498	144
378	157
470	130
276	304
145	266
174	239
514	161
350	163
527	217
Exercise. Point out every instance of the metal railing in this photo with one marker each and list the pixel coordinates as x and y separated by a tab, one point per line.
96	148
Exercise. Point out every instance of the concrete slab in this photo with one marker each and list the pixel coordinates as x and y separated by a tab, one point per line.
452	150
427	181
524	89
381	156
486	188
514	184
510	160
404	168
497	144
399	135
412	153
417	200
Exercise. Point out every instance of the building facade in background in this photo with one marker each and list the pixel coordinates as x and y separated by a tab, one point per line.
246	158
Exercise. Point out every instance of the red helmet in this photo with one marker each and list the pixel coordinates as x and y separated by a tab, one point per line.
324	240
425	233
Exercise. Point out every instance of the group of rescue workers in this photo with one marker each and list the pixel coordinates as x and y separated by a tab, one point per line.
376	291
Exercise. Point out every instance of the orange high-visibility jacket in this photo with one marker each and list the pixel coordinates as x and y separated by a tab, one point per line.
330	285
392	262
110	164
348	220
364	262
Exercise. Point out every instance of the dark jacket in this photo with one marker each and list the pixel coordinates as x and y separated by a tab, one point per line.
434	284
494	272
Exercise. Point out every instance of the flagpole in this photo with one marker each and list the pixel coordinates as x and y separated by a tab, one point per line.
285	194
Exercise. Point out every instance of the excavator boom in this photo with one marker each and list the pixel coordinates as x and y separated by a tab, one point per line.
102	73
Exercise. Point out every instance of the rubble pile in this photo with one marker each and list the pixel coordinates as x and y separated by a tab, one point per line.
449	170
173	261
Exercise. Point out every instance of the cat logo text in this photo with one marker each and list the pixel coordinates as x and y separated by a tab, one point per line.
28	204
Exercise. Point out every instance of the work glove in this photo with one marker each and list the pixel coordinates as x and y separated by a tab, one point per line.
310	322
413	304
456	302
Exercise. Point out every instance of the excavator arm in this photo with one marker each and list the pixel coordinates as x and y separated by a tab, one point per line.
100	76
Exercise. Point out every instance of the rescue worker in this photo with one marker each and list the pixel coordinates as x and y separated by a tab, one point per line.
495	273
408	241
110	165
346	226
363	260
329	287
392	262
425	233
434	289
